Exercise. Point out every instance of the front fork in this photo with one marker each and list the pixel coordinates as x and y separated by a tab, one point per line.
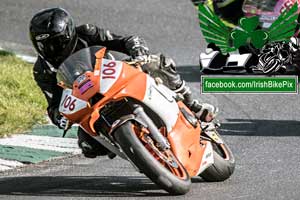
142	118
162	142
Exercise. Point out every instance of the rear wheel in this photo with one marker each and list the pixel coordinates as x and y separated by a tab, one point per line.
162	167
224	164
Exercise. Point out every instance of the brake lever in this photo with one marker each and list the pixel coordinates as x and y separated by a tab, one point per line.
67	128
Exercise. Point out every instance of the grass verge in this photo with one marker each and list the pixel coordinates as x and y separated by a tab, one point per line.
22	103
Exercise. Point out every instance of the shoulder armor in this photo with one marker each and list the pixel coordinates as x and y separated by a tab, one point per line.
86	29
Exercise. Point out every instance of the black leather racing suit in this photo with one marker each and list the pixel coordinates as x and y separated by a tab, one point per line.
89	35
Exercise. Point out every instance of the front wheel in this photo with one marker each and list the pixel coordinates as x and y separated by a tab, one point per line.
223	166
162	168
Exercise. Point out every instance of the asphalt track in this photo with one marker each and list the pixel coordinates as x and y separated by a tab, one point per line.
262	130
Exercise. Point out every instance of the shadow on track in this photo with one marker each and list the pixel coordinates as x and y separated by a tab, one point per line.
75	186
253	127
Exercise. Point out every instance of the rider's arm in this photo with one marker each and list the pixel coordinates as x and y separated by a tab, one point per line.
130	45
47	82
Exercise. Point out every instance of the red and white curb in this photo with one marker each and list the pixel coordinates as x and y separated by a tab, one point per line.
56	144
67	145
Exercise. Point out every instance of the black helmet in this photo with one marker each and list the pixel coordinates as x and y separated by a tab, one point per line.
53	35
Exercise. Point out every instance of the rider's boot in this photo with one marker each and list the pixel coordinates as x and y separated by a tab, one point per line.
203	111
90	147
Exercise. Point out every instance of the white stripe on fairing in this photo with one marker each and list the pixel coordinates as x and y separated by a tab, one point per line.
10	163
158	96
68	145
3	168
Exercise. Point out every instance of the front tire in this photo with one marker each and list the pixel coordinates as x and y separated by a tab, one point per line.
148	164
223	166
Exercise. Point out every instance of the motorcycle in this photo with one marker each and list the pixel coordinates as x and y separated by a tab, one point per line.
139	119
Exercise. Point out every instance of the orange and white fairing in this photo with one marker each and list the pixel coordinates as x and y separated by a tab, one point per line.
115	80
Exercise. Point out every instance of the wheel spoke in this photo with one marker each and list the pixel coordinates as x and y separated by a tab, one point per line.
166	157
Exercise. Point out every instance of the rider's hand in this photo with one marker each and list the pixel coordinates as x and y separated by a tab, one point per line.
62	123
144	59
136	46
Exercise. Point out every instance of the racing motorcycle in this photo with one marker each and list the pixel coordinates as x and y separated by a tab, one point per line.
139	119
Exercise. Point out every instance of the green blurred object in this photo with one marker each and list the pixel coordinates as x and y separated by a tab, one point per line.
27	155
247	32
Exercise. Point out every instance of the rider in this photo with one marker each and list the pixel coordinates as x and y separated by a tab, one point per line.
55	37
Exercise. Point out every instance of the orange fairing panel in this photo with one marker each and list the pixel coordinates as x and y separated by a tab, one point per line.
185	143
94	117
131	82
100	54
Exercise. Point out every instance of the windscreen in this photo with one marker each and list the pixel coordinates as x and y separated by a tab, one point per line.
77	64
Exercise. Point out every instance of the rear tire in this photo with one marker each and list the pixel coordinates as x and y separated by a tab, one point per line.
144	160
224	164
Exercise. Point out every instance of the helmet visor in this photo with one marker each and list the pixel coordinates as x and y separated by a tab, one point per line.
54	46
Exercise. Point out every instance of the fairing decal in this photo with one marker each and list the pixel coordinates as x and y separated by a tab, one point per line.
110	72
70	104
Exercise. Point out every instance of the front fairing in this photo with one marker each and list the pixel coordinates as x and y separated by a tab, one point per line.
90	81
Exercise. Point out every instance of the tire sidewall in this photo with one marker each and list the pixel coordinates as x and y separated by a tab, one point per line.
142	158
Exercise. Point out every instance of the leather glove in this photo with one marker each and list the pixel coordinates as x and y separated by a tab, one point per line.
136	47
145	59
62	122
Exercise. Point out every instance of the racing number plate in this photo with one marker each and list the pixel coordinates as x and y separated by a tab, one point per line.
70	104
